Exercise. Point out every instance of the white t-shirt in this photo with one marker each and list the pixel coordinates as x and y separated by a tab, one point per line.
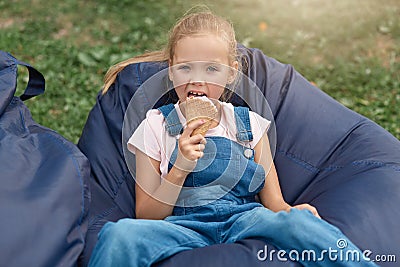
152	138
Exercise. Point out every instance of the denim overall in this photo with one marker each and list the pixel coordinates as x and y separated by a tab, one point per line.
225	177
217	205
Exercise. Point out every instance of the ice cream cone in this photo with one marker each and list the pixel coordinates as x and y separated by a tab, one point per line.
200	108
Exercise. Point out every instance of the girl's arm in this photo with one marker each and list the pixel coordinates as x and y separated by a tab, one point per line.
271	195
155	199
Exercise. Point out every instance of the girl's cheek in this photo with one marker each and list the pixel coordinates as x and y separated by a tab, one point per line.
215	91
180	91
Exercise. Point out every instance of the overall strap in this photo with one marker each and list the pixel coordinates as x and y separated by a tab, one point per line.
173	125
243	125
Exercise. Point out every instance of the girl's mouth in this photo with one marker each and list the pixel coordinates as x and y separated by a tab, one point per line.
195	94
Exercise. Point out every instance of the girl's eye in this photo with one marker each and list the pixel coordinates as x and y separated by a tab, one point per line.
212	68
183	67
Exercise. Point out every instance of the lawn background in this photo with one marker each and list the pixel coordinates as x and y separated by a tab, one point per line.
348	48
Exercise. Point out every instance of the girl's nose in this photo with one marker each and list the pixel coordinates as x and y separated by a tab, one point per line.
197	83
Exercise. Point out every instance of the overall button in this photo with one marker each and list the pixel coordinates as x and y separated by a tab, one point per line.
248	153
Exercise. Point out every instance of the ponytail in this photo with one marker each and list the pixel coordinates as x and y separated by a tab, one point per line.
112	72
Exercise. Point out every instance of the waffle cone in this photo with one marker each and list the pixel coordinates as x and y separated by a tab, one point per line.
200	108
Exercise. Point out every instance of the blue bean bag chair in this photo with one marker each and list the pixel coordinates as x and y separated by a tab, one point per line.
327	155
44	193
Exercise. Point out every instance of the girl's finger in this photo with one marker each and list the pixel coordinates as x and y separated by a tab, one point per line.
200	147
200	154
194	154
191	127
197	139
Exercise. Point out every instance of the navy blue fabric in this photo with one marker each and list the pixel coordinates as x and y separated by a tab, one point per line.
327	155
44	194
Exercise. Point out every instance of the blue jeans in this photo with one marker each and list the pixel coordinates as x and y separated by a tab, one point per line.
136	242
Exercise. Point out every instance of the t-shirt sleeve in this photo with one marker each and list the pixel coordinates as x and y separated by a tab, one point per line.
147	136
259	127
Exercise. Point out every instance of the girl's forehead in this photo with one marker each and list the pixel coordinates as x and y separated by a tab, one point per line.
206	47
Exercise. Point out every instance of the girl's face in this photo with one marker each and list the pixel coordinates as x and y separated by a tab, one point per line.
201	67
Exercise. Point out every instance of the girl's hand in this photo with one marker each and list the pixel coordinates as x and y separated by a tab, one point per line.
190	148
305	207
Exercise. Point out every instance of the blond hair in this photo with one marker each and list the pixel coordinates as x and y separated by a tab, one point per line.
198	23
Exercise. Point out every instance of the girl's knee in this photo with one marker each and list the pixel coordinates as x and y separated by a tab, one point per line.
122	242
119	231
131	231
283	220
294	216
298	222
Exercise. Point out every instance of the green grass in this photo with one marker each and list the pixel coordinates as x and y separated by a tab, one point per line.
349	49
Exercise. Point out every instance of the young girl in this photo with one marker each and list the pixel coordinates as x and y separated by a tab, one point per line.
193	190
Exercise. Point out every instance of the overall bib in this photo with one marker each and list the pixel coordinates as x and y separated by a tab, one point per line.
217	205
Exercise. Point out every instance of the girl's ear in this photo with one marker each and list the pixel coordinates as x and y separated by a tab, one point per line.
233	71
